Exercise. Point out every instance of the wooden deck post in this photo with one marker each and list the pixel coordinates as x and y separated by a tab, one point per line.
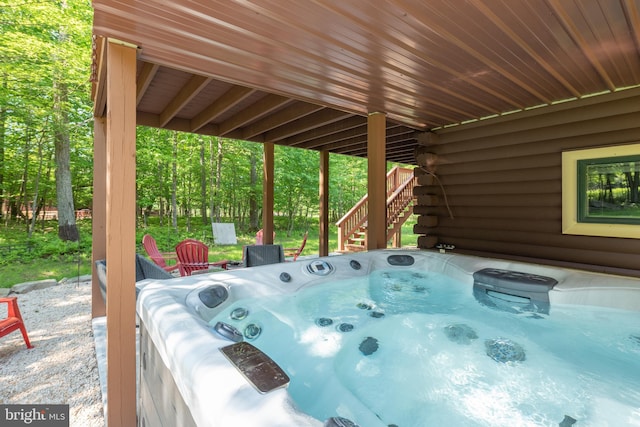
323	194
120	229
98	212
377	187
267	193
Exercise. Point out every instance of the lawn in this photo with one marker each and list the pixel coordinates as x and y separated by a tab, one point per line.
45	256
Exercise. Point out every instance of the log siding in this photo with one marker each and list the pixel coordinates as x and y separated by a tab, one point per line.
502	179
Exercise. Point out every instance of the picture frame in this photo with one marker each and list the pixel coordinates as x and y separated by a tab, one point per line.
600	191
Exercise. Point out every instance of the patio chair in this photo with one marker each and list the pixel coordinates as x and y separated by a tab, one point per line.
193	255
295	252
260	237
160	258
13	321
255	255
145	269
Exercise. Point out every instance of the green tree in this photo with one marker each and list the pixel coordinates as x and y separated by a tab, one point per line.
45	50
296	184
348	183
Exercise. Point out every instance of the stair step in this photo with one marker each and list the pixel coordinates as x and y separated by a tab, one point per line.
401	204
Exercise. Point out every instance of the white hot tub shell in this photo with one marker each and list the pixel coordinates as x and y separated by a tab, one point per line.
185	380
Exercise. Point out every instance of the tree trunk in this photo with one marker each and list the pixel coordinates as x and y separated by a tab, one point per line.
3	119
218	181
633	183
45	193
187	199
211	181
34	206
67	228
203	183
162	187
22	196
253	202
174	184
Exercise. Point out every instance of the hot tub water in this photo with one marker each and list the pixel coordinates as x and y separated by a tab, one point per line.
413	348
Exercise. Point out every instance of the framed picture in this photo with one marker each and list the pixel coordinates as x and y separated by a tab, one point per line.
601	191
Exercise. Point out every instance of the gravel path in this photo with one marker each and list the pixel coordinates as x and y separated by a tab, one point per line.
62	367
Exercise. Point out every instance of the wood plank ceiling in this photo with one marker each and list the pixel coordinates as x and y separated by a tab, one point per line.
306	73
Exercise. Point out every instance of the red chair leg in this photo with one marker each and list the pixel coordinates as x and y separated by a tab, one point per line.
23	329
14	320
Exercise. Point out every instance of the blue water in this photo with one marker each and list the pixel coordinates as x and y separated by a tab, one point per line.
409	348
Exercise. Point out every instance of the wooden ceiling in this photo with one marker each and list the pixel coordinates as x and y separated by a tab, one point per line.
306	73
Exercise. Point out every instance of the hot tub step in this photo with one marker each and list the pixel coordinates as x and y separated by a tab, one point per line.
258	368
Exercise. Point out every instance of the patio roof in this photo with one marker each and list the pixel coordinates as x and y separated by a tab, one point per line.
307	73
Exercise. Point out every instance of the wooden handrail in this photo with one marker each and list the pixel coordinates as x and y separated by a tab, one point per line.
399	183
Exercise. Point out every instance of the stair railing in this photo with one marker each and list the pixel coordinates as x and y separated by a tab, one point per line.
399	207
352	222
400	183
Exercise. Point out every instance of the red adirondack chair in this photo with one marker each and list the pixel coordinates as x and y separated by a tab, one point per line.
260	237
160	258
13	321
193	255
295	252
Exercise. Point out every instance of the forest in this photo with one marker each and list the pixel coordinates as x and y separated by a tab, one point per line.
46	142
184	181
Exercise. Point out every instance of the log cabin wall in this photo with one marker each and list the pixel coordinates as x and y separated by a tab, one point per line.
498	191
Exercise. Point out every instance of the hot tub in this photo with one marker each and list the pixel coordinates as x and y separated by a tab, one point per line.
391	338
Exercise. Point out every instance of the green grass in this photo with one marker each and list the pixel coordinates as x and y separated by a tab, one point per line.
50	268
45	256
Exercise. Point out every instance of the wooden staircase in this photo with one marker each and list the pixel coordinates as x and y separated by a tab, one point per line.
352	227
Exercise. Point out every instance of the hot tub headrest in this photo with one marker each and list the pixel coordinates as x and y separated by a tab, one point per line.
530	291
515	282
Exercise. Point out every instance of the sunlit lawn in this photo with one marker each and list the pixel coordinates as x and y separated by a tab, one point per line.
49	258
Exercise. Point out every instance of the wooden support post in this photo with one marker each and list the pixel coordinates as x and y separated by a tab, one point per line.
376	160
121	232
324	204
267	193
397	239
98	212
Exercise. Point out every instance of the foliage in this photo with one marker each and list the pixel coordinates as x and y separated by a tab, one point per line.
47	257
187	177
296	180
43	44
613	188
44	256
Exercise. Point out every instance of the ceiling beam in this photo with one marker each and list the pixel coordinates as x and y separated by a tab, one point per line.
325	131
277	119
195	84
357	136
254	112
348	133
314	120
398	139
144	79
99	78
232	97
394	146
177	124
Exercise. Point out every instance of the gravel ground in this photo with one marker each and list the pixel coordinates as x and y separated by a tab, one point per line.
62	367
